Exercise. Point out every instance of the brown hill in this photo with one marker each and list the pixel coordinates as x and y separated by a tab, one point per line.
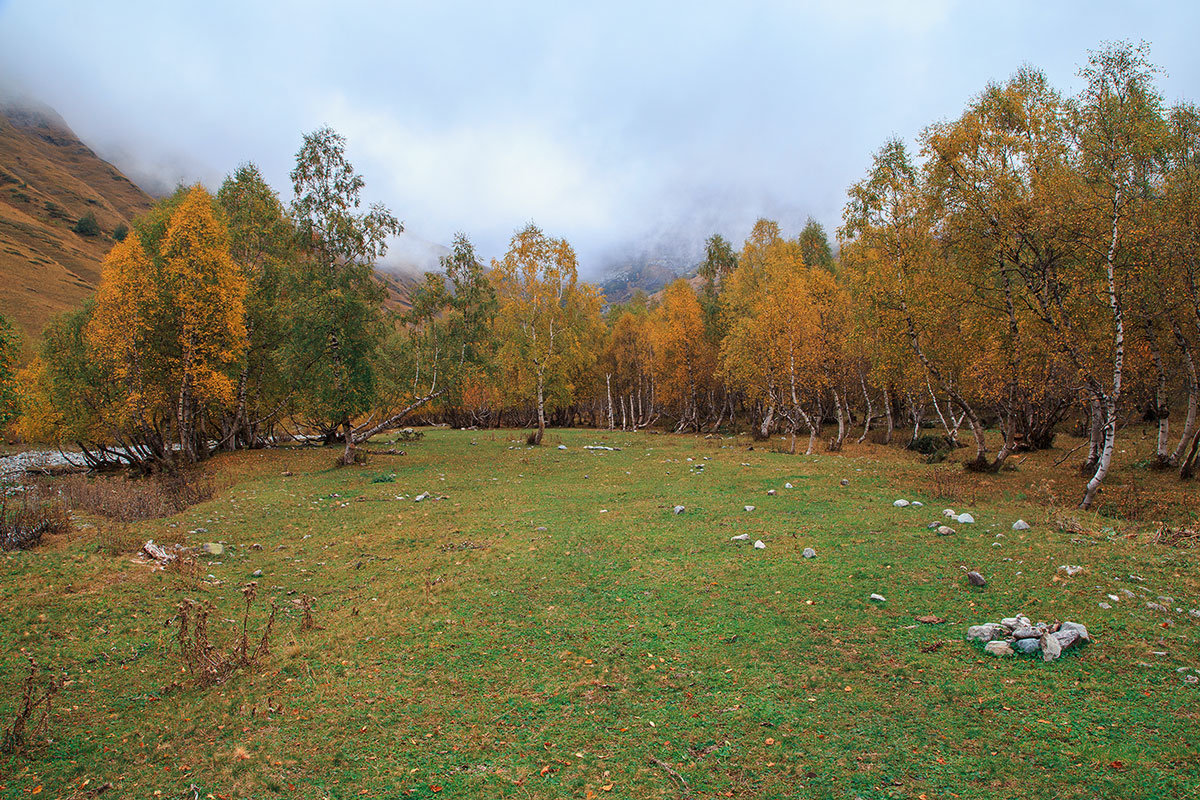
49	180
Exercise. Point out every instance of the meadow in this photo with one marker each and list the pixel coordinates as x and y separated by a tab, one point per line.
543	625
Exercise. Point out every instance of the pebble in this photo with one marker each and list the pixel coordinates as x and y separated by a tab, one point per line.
759	545
901	503
1020	525
788	486
562	447
1105	606
810	553
1070	569
770	492
845	481
878	598
976	579
917	504
945	530
679	509
741	537
749	508
256	574
965	519
948	512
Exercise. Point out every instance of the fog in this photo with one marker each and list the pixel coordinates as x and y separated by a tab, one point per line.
628	128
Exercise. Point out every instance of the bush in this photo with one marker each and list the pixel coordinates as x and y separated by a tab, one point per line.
87	225
120	232
128	499
27	514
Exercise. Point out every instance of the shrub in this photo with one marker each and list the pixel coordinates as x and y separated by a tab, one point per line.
207	665
87	225
27	514
20	734
120	232
128	499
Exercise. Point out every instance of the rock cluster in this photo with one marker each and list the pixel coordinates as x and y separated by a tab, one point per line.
1018	634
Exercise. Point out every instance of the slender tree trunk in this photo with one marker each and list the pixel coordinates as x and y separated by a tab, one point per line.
836	444
1189	423
1161	402
541	409
608	386
891	420
870	411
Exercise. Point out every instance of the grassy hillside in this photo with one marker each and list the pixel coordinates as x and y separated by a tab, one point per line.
48	181
549	628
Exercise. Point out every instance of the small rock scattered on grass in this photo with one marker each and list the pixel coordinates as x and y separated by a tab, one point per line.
679	509
1020	525
759	545
810	553
878	598
901	503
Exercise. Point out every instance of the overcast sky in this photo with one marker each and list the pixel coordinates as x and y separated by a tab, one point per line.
617	125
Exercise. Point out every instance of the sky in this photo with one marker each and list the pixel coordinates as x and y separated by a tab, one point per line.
628	128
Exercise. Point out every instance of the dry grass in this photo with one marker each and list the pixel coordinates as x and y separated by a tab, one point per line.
33	713
27	514
127	499
207	664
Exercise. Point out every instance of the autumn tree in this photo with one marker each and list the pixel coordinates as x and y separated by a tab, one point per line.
684	360
543	313
338	325
9	351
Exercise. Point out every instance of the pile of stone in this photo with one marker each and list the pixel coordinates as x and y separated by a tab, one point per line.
1018	635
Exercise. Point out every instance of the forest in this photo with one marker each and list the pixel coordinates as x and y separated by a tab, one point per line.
1030	266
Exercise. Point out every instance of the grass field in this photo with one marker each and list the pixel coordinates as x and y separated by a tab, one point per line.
551	629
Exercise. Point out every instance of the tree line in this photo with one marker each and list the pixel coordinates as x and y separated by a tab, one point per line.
1032	265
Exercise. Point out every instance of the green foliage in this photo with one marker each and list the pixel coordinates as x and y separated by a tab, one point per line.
815	248
87	225
10	348
120	232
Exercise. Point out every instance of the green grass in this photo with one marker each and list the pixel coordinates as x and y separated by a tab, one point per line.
466	653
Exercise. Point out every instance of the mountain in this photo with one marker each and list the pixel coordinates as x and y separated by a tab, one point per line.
647	272
49	180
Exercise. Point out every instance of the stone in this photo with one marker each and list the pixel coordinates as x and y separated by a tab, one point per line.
759	545
1020	525
770	492
998	648
1025	631
1051	649
987	632
749	508
679	509
1106	606
1027	645
965	519
917	504
213	549
1156	606
1070	569
562	447
810	553
976	579
788	486
256	574
945	530
1080	630
1011	622
878	598
1191	679
420	497
948	512
901	503
741	537
1066	638
845	481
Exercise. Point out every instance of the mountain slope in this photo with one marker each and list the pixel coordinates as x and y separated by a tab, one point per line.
49	179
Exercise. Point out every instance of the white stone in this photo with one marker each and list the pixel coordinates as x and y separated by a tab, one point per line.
965	519
917	504
1070	569
748	508
679	509
998	648
810	553
562	447
741	537
771	492
758	545
901	503
1020	525
788	486
949	512
878	598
